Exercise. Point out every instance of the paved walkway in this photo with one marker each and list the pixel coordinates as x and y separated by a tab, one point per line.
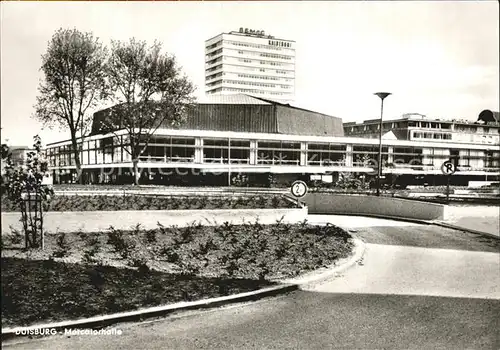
428	262
402	270
479	218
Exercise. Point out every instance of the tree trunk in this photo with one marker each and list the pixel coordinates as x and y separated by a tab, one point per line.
76	152
137	176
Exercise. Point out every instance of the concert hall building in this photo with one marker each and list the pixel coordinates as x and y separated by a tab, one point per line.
226	137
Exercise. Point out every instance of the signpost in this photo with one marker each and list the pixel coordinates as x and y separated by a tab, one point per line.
299	190
448	168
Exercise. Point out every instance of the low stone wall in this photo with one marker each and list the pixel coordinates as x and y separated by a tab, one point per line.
89	221
331	203
474	184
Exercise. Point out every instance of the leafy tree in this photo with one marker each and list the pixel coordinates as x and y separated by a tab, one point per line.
22	183
150	90
74	81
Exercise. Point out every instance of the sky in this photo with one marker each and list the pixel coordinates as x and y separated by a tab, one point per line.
438	58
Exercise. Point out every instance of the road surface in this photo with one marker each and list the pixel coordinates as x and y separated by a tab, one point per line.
418	287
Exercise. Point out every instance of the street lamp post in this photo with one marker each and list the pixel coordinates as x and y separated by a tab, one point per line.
382	96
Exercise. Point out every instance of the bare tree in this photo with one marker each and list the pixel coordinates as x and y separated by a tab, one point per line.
150	90
74	81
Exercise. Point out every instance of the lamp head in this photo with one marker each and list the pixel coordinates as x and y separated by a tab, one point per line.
382	95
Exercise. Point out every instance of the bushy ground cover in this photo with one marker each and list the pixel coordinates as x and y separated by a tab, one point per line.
144	202
84	274
103	187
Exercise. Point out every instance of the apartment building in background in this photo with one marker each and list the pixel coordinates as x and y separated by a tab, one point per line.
424	131
250	62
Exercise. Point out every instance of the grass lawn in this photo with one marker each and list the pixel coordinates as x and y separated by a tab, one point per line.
87	274
145	202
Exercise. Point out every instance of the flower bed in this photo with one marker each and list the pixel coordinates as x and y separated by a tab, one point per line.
144	202
118	270
103	187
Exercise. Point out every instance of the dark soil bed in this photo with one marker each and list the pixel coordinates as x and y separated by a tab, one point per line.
54	291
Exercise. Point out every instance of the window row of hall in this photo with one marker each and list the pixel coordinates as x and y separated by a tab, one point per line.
167	149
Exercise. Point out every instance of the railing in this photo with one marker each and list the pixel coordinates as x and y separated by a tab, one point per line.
225	161
428	167
278	161
296	162
326	163
167	159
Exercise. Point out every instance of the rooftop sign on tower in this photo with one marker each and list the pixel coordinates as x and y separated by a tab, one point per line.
253	32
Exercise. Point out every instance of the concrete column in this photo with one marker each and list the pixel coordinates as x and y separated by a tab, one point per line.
253	152
303	153
198	151
390	155
56	176
348	155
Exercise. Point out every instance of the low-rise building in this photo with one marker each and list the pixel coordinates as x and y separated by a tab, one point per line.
225	136
455	137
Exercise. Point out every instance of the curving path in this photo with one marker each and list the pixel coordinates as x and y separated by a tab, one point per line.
411	259
418	287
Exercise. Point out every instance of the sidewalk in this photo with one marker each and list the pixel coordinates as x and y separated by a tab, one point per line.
487	224
478	218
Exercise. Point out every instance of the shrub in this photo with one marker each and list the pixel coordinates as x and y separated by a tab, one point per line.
141	263
275	201
240	202
119	243
136	230
280	250
163	229
262	270
88	256
188	266
187	233
174	203
261	202
16	236
232	267
170	254
63	246
92	248
150	237
303	224
207	246
203	202
240	180
224	230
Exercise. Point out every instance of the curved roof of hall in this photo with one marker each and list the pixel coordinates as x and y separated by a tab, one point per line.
245	113
239	99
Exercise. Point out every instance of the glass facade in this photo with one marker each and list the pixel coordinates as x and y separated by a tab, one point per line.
325	154
165	149
169	149
368	155
278	152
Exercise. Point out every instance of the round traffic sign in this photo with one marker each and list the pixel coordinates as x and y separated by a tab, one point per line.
299	189
448	168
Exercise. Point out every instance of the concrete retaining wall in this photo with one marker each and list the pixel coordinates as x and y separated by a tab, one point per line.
101	220
474	184
331	203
